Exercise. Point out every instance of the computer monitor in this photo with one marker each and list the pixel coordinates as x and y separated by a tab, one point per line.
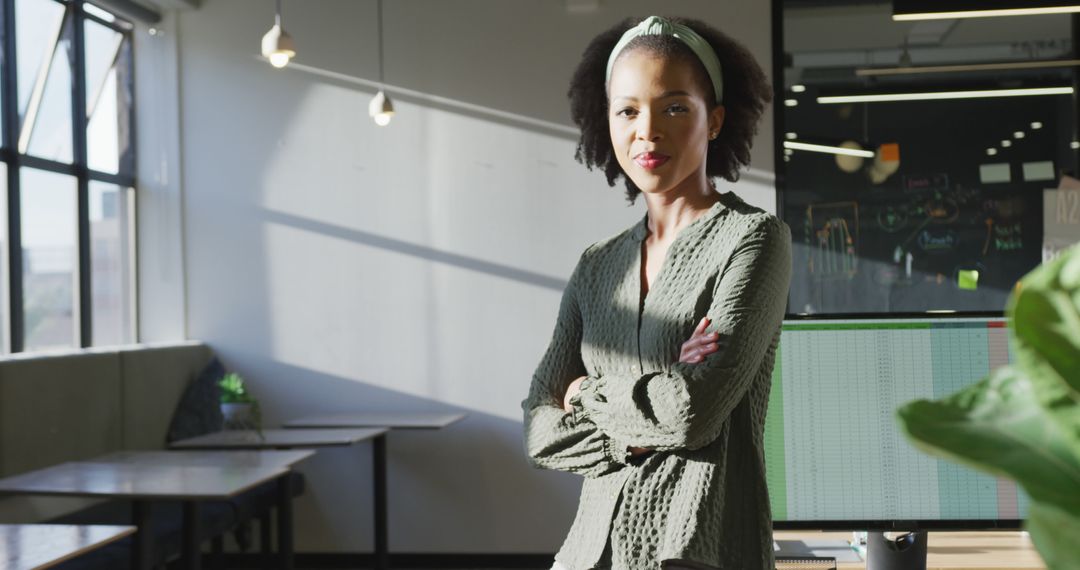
835	456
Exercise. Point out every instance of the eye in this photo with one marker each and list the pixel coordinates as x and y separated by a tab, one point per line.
676	108
625	112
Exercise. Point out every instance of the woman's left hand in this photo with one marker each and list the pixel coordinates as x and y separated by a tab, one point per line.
572	389
700	344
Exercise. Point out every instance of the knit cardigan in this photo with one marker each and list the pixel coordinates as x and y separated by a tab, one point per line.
699	498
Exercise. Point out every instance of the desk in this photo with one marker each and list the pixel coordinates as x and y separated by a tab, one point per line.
33	546
392	420
233	458
145	482
956	550
278	439
239	458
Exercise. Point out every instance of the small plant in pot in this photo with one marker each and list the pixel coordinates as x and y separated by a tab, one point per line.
238	407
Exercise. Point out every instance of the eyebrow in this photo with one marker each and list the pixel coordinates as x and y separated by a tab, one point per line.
665	95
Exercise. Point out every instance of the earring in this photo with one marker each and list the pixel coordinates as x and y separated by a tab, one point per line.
713	135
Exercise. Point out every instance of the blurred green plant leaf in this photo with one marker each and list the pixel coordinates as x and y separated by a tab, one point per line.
1046	337
1055	532
1023	421
997	426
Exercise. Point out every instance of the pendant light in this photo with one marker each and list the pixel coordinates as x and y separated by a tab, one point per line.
277	45
381	109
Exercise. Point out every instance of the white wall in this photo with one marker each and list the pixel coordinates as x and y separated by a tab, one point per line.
159	212
342	266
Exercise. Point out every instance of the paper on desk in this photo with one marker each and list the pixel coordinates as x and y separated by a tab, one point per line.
819	548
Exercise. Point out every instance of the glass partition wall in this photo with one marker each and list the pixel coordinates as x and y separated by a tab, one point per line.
923	166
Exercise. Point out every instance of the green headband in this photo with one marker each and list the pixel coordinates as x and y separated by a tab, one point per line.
657	26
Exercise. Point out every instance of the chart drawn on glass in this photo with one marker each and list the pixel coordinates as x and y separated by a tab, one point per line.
926	244
833	234
937	210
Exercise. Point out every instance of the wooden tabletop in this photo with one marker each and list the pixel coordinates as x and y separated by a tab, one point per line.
392	420
140	481
278	438
31	546
218	458
957	550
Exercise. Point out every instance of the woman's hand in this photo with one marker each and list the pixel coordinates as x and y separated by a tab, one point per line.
693	351
572	389
700	344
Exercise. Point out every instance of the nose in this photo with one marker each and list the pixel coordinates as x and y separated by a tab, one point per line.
647	127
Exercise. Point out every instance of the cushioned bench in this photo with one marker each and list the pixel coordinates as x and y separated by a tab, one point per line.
76	405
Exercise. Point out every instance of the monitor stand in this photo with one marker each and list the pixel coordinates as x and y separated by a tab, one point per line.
905	552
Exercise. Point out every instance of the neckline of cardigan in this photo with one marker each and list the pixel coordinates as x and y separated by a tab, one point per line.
641	230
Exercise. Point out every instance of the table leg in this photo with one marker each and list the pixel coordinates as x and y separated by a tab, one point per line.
217	552
285	522
266	540
142	555
191	553
382	553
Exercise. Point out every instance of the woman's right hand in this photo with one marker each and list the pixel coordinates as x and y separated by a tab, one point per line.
700	344
693	351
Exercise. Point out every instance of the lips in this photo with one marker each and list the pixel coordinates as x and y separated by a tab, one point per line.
651	160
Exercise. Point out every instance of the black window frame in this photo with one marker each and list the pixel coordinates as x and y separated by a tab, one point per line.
74	32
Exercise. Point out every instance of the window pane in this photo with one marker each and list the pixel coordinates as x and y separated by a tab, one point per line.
50	258
108	97
37	25
111	264
44	71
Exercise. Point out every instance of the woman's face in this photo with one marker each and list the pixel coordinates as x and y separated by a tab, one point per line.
660	121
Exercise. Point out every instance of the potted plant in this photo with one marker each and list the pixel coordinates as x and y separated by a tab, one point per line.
1022	422
239	408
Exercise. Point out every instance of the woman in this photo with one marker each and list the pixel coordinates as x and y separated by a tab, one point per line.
656	381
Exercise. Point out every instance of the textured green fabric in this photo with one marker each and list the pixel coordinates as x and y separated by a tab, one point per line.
700	498
657	26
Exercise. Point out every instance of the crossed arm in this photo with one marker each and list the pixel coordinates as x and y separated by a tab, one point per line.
555	439
684	407
700	345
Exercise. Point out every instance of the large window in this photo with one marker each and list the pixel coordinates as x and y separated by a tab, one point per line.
67	171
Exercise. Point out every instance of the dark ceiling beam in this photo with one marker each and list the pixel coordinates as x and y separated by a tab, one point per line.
131	9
